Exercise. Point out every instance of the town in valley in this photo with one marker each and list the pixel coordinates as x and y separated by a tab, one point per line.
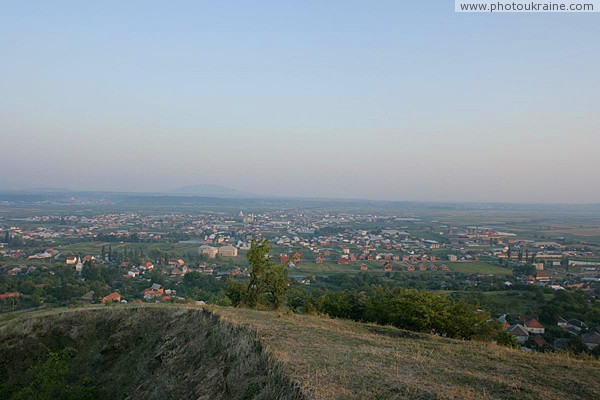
536	272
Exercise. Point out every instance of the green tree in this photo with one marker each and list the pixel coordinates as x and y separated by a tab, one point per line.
576	345
504	338
258	258
268	283
55	377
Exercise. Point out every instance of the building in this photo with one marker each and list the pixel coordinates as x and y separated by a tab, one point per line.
539	266
540	342
209	251
533	326
452	258
228	251
591	340
111	298
519	332
79	265
297	257
87	298
153	291
542	277
10	295
432	244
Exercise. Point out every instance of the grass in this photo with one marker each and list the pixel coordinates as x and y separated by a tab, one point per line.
477	267
139	352
339	359
95	247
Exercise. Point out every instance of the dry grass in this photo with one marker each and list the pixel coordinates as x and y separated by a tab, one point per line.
338	359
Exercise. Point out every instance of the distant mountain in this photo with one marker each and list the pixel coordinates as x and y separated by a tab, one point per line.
209	190
45	190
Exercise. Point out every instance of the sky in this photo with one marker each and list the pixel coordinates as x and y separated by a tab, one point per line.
391	100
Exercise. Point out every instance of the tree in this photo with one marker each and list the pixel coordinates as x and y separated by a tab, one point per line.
15	241
55	376
504	338
276	285
258	257
235	291
576	345
564	262
268	284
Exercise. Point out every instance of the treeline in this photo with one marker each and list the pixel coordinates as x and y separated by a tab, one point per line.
411	309
171	237
571	304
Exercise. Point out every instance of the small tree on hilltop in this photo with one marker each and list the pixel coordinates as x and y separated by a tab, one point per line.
268	281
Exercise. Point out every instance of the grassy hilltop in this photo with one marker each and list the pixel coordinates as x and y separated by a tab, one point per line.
186	353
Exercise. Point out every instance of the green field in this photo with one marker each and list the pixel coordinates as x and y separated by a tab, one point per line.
477	267
95	247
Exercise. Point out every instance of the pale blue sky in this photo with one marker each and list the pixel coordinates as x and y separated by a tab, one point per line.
369	99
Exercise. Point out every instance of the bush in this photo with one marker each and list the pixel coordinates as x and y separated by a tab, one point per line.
412	310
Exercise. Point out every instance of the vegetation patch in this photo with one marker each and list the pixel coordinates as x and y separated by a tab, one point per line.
136	353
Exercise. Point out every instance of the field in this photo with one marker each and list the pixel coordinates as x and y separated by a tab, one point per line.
477	267
95	247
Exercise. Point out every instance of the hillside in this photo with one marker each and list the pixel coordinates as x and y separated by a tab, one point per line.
134	353
340	359
177	352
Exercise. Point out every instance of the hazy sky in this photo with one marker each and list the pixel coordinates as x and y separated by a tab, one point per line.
370	99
